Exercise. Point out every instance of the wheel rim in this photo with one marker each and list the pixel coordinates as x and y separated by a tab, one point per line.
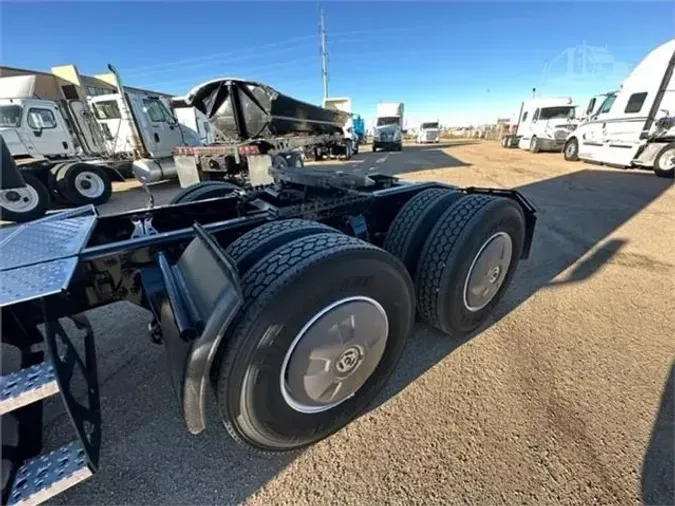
89	184
334	354
20	200
571	149
488	271
668	159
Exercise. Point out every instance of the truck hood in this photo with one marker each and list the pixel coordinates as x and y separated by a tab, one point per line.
13	141
388	129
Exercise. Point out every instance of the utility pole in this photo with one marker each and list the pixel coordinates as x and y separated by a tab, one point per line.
324	56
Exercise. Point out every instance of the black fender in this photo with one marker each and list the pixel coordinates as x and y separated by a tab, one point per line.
194	300
113	174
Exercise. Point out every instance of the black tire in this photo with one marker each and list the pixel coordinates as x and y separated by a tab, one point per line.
37	201
534	145
356	148
282	292
71	178
505	142
399	147
294	160
279	162
348	150
661	161
203	190
373	148
414	221
448	255
248	249
571	150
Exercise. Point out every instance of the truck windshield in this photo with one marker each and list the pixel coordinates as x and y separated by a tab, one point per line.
557	112
388	120
10	116
429	125
607	104
107	110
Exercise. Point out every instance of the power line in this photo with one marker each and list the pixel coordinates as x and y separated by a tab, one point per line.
216	55
293	42
354	57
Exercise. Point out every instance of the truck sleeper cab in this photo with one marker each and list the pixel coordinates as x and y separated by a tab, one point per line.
634	126
545	126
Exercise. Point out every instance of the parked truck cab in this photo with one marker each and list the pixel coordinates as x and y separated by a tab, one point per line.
634	126
545	123
34	128
388	129
429	132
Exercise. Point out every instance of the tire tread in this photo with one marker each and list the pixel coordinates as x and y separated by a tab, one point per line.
261	285
432	263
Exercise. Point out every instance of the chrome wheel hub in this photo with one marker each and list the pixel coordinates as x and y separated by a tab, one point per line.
488	271
334	354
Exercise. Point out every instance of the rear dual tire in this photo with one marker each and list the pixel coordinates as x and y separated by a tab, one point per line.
461	251
83	184
324	322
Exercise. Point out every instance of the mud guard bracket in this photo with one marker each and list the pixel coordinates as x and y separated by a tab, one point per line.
197	299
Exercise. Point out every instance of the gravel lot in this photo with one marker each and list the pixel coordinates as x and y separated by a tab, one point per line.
566	397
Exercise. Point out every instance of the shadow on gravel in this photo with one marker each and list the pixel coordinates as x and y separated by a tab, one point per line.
147	455
575	213
658	467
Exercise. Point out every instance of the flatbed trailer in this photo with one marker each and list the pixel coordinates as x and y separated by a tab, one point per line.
292	301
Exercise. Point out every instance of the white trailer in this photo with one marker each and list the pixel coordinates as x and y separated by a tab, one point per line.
543	124
635	126
344	104
388	129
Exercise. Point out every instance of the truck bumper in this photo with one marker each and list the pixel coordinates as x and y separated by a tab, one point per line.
551	144
388	145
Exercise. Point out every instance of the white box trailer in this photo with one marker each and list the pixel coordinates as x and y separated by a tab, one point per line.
635	126
343	104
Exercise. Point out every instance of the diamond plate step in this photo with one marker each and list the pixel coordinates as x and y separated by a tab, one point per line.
45	476
27	386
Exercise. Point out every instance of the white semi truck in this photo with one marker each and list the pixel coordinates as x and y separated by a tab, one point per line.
57	146
543	124
634	126
69	149
388	129
429	132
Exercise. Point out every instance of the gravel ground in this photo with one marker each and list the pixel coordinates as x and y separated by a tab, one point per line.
566	396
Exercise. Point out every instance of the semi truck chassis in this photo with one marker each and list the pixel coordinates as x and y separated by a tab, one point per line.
291	301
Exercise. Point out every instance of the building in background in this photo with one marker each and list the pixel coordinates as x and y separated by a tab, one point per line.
50	84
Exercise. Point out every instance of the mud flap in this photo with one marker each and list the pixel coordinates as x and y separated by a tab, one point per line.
198	299
114	174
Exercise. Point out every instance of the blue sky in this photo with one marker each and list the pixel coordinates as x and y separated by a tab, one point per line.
456	61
